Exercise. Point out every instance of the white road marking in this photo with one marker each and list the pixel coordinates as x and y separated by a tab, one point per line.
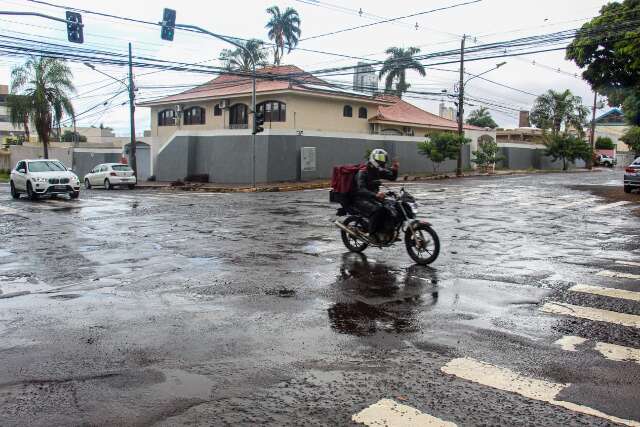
532	388
607	292
629	263
609	351
5	210
569	343
387	412
618	352
578	203
616	274
589	313
609	206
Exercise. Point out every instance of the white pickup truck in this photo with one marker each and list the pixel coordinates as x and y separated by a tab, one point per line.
604	160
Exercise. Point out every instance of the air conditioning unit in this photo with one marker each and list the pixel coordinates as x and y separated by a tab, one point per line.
225	103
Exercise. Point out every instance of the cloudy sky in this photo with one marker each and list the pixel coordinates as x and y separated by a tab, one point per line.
486	21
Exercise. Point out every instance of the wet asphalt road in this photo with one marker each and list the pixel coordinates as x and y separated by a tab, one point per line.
175	308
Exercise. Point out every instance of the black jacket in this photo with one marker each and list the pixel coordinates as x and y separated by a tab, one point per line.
367	181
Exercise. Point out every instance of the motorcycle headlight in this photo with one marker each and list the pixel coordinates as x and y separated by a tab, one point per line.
414	207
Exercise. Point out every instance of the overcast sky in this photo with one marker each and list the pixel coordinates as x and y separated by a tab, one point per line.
486	21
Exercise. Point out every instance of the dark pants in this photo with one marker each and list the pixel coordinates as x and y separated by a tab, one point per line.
375	211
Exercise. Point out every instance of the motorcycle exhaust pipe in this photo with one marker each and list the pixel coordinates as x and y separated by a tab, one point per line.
349	231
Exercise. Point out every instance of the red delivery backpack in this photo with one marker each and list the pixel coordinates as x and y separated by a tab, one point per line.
342	182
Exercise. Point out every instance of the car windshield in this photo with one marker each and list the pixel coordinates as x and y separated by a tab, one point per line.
46	166
120	168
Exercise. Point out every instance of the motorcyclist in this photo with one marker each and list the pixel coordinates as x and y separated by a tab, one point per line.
367	197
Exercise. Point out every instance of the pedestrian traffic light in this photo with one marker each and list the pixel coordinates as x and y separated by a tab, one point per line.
74	27
168	24
258	121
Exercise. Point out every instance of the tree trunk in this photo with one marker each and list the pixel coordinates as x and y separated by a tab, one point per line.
45	146
564	164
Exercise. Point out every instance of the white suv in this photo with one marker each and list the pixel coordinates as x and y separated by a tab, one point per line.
110	175
43	177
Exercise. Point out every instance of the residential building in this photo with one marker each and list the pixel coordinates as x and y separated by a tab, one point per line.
521	135
612	124
299	109
99	135
445	112
365	78
7	130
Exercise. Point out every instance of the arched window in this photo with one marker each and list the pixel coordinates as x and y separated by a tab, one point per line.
217	111
362	112
274	111
347	111
238	116
194	116
167	118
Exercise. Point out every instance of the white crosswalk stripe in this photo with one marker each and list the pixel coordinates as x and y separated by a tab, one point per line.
590	313
606	292
629	263
609	206
610	351
390	413
532	388
618	275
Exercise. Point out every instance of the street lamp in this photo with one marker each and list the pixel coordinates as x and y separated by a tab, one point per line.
461	85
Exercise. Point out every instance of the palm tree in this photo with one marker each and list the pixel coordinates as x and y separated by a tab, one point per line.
19	108
482	118
559	110
239	60
284	29
395	68
46	83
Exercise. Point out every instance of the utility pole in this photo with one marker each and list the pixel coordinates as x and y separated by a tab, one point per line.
592	137
461	106
132	111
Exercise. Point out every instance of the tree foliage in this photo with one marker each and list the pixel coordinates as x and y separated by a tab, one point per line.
608	47
604	143
284	30
46	84
568	148
441	146
632	139
19	110
395	68
482	118
487	155
240	60
68	136
559	111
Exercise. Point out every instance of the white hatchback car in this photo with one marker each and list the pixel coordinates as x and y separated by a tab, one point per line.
43	177
110	175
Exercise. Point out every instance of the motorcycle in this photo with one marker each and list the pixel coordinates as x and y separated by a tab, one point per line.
421	241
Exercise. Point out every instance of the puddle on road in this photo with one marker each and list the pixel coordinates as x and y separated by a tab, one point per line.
17	283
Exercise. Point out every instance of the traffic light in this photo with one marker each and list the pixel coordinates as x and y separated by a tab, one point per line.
74	27
258	121
168	24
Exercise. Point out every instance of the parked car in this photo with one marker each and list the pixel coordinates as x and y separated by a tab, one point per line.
632	176
604	160
43	177
110	175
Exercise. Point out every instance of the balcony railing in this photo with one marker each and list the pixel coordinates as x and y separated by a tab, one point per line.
239	126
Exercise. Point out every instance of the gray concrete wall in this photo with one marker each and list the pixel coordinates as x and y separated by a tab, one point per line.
525	158
83	162
21	152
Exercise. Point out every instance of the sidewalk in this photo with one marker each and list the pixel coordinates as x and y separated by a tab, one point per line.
211	187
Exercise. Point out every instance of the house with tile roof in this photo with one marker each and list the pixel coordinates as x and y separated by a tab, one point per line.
294	102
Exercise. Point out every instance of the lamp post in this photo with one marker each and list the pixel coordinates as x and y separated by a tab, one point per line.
461	87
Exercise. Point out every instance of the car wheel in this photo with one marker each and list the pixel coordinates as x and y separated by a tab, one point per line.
74	194
32	194
107	185
132	186
87	184
627	189
14	193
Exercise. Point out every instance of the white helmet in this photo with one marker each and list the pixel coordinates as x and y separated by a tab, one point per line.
378	157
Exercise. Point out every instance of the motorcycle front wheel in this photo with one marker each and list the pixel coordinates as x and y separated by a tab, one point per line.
424	249
352	243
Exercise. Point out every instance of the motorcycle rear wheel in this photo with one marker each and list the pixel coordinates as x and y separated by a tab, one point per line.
427	248
351	242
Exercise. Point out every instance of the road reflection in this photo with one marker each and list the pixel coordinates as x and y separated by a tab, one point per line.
373	296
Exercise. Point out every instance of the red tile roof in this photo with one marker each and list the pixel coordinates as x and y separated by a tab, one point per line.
284	77
403	112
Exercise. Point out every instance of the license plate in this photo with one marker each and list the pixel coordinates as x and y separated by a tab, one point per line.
60	187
